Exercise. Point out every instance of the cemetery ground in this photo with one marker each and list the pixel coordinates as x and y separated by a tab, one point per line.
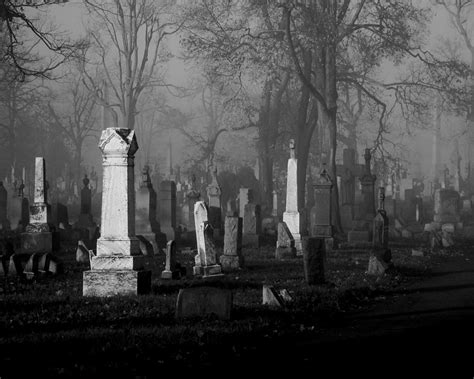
47	327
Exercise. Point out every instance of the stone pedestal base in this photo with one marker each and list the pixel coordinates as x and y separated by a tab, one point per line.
251	241
117	262
44	242
206	271
166	274
104	283
231	262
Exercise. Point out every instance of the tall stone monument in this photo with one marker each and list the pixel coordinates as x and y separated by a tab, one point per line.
4	222
38	235
117	269
292	216
192	197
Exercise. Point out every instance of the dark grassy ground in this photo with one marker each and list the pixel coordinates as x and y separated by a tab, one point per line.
46	326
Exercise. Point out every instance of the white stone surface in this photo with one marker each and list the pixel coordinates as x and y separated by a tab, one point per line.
40	180
118	194
292	216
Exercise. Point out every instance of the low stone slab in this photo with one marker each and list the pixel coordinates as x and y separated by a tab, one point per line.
376	266
82	253
204	301
103	283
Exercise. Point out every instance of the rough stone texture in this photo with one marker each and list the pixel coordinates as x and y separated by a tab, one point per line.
115	283
204	301
205	259
117	262
114	269
251	219
285	246
4	222
314	252
232	258
271	297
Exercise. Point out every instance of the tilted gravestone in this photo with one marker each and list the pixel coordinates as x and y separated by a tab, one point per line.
285	246
206	257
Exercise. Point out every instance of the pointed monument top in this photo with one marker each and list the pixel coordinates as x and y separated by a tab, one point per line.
292	149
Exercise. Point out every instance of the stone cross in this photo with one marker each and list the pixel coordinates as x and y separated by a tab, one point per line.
292	216
117	269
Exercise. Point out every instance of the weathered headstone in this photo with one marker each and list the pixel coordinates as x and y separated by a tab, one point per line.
252	226
314	257
168	209
117	269
204	301
292	216
285	246
232	258
362	229
4	222
86	220
206	257
145	214
38	236
447	206
321	213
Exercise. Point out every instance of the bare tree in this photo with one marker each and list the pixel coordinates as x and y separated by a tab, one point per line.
127	49
74	113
